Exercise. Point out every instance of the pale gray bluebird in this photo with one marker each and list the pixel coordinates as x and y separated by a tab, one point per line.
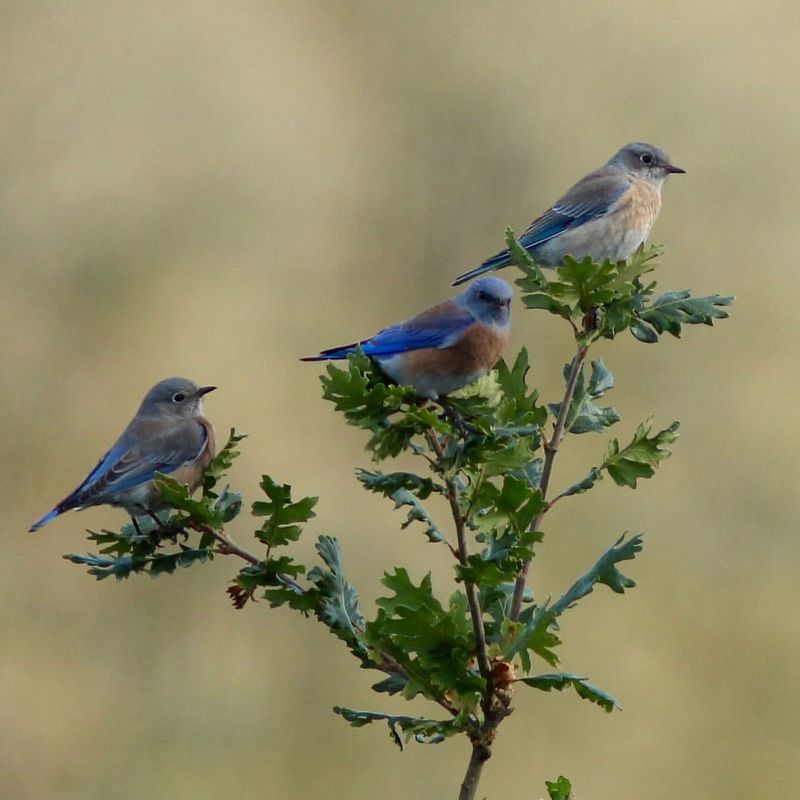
169	434
445	347
605	215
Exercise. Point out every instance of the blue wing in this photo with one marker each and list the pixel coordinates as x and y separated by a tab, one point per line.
128	464
588	199
439	326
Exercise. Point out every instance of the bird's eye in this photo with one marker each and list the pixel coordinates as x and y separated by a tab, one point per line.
484	296
178	397
646	158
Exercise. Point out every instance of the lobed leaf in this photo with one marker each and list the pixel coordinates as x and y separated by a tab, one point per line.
584	415
338	607
641	456
283	515
122	567
560	789
222	461
535	631
584	689
422	730
669	312
388	484
434	645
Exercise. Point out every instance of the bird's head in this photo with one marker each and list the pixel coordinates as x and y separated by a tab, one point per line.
646	161
175	397
488	299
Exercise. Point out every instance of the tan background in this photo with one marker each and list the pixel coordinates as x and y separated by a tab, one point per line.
214	189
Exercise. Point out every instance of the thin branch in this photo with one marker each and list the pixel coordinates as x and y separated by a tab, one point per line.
228	547
469	586
560	496
550	451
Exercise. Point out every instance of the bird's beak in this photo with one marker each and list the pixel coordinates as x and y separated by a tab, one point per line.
673	170
205	390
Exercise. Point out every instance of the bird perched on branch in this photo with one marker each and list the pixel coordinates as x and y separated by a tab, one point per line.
169	434
445	347
605	215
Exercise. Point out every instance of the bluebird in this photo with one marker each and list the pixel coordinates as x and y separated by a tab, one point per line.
445	347
605	215
169	434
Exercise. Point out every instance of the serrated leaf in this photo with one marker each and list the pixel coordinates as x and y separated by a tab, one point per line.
394	684
222	461
122	567
603	571
518	406
595	474
418	513
387	484
513	505
338	605
601	380
500	562
422	730
584	689
534	634
560	789
370	401
642	332
584	415
306	602
282	514
669	312
435	646
584	284
493	456
178	497
535	631
228	505
641	456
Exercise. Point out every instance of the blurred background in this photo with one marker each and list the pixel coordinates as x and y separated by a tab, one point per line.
213	189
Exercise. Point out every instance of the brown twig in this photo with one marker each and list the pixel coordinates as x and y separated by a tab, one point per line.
550	450
226	545
469	586
481	753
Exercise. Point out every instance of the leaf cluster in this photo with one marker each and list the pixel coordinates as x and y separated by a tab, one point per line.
614	296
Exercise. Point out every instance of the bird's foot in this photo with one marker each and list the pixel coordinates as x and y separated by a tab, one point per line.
164	530
456	418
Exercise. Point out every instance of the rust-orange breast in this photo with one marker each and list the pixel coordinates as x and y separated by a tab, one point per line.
476	351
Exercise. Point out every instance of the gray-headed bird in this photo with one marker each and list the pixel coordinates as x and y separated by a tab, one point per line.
605	215
169	434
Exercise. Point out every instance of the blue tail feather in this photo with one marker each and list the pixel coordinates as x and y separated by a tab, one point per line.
48	517
333	353
502	259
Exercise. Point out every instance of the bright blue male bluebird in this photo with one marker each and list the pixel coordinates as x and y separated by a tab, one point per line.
605	215
445	347
169	434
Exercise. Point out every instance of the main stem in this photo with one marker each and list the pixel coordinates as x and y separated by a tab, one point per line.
469	786
482	736
550	451
469	587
